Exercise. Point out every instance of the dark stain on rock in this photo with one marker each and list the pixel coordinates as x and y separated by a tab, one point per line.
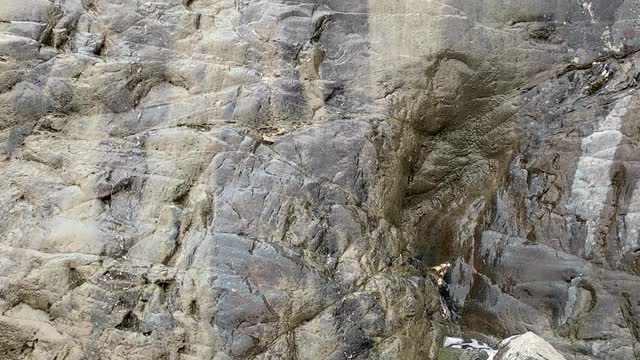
75	279
130	322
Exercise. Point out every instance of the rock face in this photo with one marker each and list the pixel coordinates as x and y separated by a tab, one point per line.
527	346
274	179
454	354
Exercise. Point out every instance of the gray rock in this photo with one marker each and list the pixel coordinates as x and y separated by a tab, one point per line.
528	346
204	179
455	354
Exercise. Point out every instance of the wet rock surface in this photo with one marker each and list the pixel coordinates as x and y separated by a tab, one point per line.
220	179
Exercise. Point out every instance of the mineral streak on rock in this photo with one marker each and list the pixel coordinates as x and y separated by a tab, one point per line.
281	179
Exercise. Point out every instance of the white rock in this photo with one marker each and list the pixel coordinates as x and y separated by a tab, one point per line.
528	346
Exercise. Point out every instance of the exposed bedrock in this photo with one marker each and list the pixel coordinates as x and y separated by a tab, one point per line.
234	179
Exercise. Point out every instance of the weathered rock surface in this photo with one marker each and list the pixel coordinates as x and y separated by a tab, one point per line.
455	354
274	179
527	346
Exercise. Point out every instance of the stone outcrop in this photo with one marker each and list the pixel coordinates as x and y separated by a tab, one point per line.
277	179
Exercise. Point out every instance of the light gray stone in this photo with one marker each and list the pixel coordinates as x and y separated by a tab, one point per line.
528	346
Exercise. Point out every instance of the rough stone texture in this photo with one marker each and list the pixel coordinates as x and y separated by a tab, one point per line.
274	179
456	354
527	346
